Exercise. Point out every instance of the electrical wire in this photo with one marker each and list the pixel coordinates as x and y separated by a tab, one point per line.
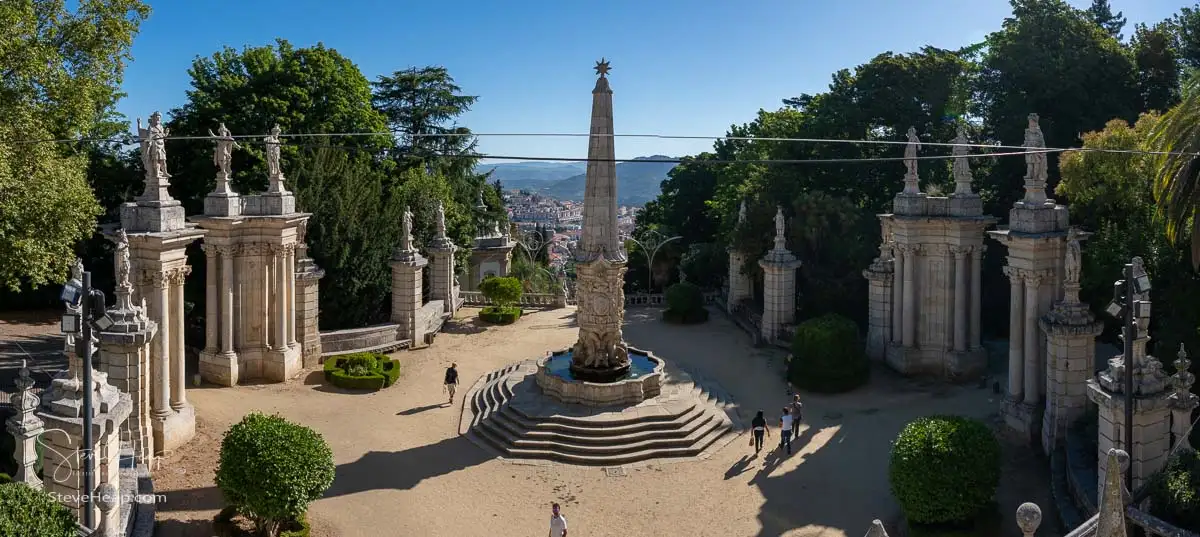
131	140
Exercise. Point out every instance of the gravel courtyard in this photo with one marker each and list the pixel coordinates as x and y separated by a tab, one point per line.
402	469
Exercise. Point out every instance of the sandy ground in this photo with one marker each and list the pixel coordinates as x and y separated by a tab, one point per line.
402	470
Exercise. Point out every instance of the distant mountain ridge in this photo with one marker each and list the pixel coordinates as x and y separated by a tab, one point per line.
637	182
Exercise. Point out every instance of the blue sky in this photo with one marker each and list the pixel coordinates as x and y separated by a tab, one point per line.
680	67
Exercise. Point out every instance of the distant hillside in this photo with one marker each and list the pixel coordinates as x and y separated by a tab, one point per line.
637	182
530	175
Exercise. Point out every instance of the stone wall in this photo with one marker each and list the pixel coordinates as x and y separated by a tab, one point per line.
378	338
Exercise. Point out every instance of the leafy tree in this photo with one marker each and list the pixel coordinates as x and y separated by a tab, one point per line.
1157	66
1102	14
1186	27
1177	187
271	469
967	458
61	74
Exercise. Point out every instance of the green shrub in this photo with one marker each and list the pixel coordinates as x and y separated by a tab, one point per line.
500	314
828	356
224	526
296	528
270	469
944	469
27	511
501	291
361	371
5	479
684	298
1175	491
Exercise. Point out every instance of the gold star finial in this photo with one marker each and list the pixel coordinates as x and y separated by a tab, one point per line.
602	67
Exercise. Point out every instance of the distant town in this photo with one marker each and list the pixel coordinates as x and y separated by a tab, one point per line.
530	211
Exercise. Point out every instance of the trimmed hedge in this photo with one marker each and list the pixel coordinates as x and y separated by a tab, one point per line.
1175	491
685	304
828	356
500	314
272	468
944	469
27	511
224	526
361	371
504	291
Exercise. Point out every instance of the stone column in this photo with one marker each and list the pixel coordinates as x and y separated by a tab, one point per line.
909	338
125	358
441	253
291	294
407	266
779	283
1070	330
211	305
161	366
1033	377
280	303
227	300
879	309
25	427
178	369
1016	339
976	294
961	306
898	296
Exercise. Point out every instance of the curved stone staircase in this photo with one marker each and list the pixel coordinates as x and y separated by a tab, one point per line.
506	412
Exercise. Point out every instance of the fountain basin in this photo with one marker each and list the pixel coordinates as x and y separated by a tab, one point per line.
642	381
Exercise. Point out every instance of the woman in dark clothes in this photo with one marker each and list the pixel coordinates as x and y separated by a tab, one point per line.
759	427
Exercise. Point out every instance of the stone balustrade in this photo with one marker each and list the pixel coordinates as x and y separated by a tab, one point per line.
528	300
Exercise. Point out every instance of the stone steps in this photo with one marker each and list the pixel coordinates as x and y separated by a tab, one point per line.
699	419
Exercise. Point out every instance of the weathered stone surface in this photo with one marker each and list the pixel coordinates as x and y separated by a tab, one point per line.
601	394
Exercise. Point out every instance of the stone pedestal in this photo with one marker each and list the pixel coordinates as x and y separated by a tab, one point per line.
740	286
441	255
308	306
158	268
935	286
491	256
879	307
125	355
1036	242
25	427
253	291
62	460
1071	331
407	265
779	291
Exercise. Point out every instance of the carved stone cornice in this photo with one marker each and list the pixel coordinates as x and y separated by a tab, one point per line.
210	250
1013	274
227	250
153	278
961	252
910	249
177	276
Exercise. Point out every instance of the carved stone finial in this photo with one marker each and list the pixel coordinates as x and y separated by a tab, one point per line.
962	164
603	67
1183	379
877	529
1029	518
1111	521
912	181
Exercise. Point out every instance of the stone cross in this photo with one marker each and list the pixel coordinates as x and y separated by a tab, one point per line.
912	181
962	164
1035	163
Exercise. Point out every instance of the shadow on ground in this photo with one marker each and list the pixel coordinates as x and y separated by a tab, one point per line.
468	325
403	470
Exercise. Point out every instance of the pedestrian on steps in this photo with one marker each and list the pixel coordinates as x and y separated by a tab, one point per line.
758	427
785	431
451	381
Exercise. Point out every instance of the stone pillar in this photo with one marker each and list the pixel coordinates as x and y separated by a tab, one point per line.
1033	376
779	284
161	361
898	296
739	284
961	330
308	277
25	427
108	500
63	415
280	304
1151	404
441	253
1183	401
125	359
909	321
211	300
879	309
407	265
220	366
1070	330
976	295
227	320
178	361
290	264
281	361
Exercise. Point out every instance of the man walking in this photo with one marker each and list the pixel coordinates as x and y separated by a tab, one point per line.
797	411
558	523
785	431
451	381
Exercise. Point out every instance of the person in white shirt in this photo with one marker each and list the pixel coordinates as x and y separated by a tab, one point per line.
785	431
558	523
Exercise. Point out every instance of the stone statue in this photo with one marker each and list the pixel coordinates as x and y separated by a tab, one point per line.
742	212
154	147
406	227
910	153
962	165
122	258
273	143
77	270
1074	257
225	146
1035	161
780	222
441	220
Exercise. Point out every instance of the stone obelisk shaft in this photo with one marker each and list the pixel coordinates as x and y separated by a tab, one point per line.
599	237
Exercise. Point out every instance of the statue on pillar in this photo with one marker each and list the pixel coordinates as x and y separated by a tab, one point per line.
273	143
154	147
406	239
742	213
440	221
962	165
911	179
224	153
121	257
780	222
1035	159
1074	256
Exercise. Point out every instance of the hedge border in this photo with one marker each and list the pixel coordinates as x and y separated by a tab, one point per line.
389	372
500	314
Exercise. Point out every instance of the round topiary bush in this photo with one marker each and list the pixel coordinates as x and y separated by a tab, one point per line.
270	470
1175	491
502	291
27	511
685	304
944	469
500	314
828	356
361	371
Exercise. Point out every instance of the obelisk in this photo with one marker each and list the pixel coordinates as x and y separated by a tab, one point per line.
600	354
